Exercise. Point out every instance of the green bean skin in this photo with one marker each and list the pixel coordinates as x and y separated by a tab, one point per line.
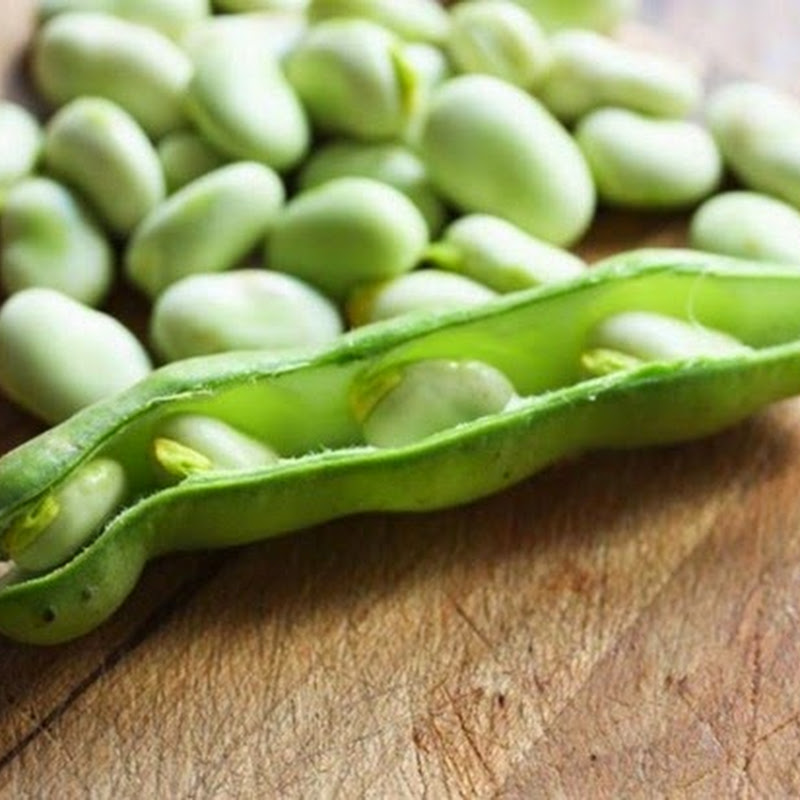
431	291
393	164
207	226
757	128
186	156
640	162
21	140
589	71
601	15
500	255
497	37
748	225
491	148
50	240
306	414
414	20
240	101
96	147
82	54
58	356
243	309
354	79
345	232
245	6
170	17
276	32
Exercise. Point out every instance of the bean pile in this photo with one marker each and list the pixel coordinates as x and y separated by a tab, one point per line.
269	173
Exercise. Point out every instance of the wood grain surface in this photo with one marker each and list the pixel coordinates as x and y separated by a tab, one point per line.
622	625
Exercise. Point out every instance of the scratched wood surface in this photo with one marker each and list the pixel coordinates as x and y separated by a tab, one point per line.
622	625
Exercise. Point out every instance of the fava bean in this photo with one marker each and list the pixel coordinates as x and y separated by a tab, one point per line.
404	405
239	99
353	78
56	528
20	145
757	129
275	32
500	255
491	148
498	37
589	71
207	226
425	290
50	240
141	70
748	225
170	17
393	164
244	6
601	15
58	356
241	310
414	20
99	149
640	162
186	156
345	232
191	444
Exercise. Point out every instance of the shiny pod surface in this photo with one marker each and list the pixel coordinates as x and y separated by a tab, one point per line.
50	240
207	226
97	54
491	148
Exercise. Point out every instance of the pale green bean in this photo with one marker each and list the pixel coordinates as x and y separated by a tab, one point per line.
186	156
20	145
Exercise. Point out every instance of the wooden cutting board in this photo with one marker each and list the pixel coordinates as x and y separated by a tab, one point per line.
622	625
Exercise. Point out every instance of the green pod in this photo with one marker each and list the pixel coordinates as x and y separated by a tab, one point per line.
240	101
170	17
600	15
50	240
99	55
275	32
413	20
393	164
98	148
640	162
241	310
498	37
345	232
208	226
757	129
58	356
431	291
747	225
310	410
491	148
354	79
186	156
20	145
501	255
589	71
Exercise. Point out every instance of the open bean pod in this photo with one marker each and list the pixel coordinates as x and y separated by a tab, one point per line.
546	373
